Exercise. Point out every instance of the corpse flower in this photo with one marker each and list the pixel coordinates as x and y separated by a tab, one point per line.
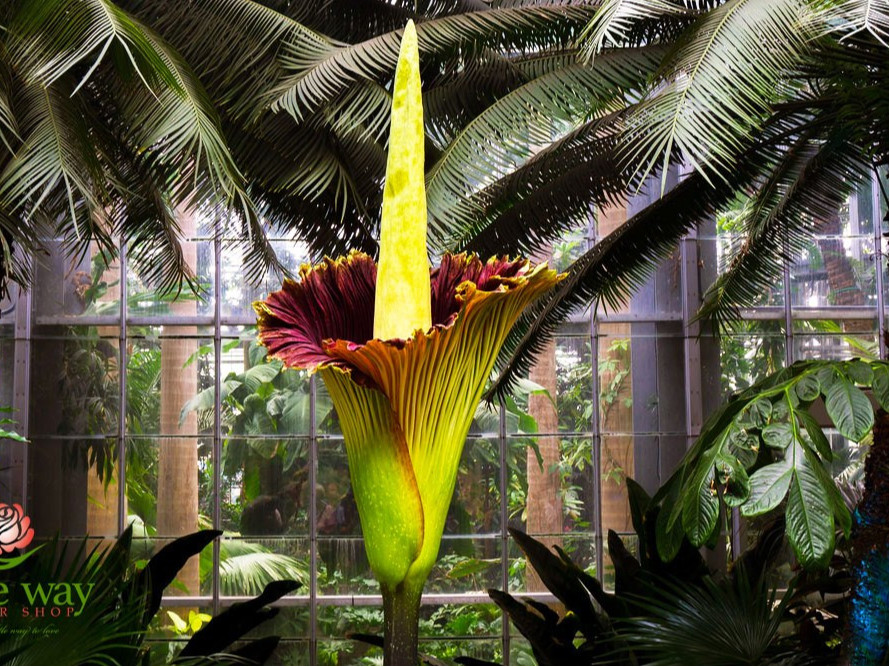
405	354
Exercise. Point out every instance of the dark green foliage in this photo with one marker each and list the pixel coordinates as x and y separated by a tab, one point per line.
764	449
662	611
112	626
163	567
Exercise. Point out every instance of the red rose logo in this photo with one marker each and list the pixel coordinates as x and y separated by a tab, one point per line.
15	528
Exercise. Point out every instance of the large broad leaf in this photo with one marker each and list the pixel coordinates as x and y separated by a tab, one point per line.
237	620
768	487
700	505
639	503
849	409
668	534
808	387
831	491
816	435
860	372
206	399
881	385
258	375
557	576
732	474
777	435
166	563
810	525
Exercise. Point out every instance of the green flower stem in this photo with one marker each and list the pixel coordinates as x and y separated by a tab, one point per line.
401	611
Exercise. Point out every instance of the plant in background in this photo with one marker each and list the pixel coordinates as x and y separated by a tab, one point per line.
405	359
111	625
765	445
660	610
8	433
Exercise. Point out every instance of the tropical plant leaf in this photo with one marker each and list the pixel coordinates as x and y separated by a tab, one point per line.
849	409
739	617
704	110
250	571
527	117
700	507
810	525
237	620
809	182
881	385
323	67
612	24
768	487
163	567
860	16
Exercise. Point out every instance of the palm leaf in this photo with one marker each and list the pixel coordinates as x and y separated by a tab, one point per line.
56	158
528	117
739	619
550	194
246	568
165	106
9	133
245	35
322	67
147	222
808	185
861	16
613	22
705	110
623	260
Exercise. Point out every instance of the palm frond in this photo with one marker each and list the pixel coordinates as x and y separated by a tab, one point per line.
614	20
811	181
621	262
246	568
146	221
527	118
234	44
307	176
9	133
609	271
55	163
703	109
452	99
739	619
550	194
861	16
323	67
352	22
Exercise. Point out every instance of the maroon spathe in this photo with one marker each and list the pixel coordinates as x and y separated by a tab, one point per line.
334	301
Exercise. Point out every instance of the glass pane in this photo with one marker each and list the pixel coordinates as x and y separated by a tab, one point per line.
752	351
170	381
169	485
264	486
145	298
68	288
835	272
238	294
75	384
641	377
72	486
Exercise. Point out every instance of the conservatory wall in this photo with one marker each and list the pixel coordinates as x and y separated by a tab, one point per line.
163	413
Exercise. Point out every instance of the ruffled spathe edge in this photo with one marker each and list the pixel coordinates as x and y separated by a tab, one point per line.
318	321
